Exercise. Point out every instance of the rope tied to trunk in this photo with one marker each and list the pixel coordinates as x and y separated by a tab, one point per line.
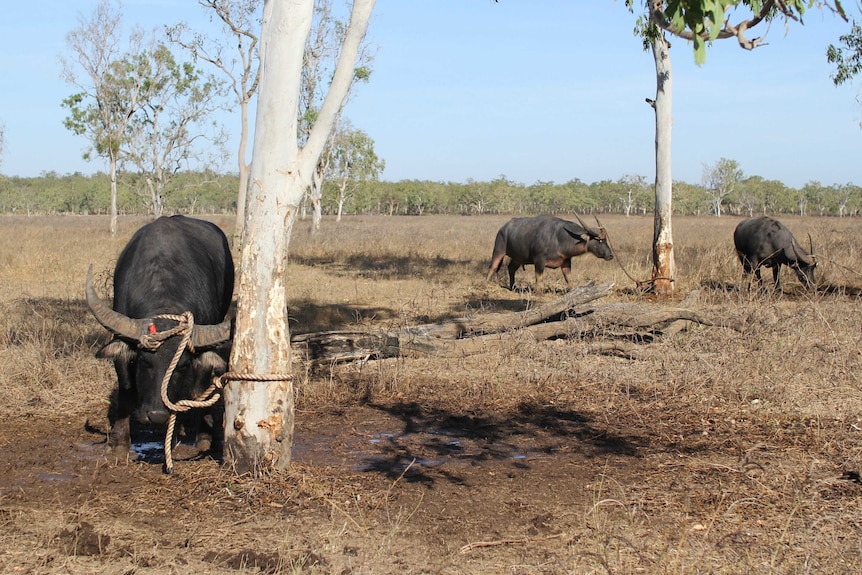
237	376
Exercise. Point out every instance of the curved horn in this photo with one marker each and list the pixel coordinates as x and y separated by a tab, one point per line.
592	231
209	335
811	248
800	254
603	233
111	320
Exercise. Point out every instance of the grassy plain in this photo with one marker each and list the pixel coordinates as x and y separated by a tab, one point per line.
716	451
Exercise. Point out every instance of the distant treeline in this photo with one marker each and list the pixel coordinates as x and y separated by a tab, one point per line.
204	193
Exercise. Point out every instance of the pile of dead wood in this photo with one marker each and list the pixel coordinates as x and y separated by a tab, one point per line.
614	328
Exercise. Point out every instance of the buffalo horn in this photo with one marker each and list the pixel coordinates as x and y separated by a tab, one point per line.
112	320
592	231
209	335
800	254
602	232
202	335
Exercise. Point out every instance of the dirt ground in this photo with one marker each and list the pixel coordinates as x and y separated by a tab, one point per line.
715	451
403	487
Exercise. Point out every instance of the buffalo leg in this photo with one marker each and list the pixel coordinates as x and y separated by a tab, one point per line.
210	430
495	265
758	276
776	269
540	273
513	267
119	413
566	268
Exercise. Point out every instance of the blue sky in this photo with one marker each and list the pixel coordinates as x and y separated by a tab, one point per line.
545	90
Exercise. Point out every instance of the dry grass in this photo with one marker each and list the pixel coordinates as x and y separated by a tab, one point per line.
715	452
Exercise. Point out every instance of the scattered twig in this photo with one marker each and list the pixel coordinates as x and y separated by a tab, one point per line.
470	546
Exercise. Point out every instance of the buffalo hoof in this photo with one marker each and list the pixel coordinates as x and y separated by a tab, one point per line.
120	453
203	443
206	443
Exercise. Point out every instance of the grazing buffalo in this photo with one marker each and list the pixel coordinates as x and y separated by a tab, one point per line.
765	242
546	242
170	266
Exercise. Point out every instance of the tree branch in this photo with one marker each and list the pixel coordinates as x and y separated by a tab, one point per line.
768	9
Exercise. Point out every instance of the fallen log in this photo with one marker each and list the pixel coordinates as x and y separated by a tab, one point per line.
571	316
340	346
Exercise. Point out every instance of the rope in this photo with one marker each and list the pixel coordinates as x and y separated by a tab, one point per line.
154	340
236	376
638	283
185	327
845	268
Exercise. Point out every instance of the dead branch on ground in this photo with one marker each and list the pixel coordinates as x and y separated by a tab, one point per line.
622	329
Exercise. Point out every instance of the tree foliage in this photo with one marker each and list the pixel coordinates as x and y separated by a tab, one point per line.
720	181
2	142
172	122
704	21
101	67
138	106
321	55
240	21
351	159
201	192
847	58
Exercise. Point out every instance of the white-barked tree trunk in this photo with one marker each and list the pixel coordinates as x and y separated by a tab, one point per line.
664	268
259	415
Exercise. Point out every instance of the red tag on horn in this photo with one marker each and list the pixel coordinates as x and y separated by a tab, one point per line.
151	328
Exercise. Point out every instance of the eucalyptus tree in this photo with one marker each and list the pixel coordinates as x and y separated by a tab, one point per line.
633	189
756	194
801	196
2	142
749	195
847	198
240	21
817	196
259	408
847	57
351	159
101	67
172	128
700	22
326	36
720	180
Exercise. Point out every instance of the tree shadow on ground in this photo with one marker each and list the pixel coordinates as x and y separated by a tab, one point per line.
767	287
384	266
433	442
58	326
306	316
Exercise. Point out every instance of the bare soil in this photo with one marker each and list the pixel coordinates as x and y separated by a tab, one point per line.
714	452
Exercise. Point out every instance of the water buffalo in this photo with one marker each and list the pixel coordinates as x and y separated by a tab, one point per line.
765	242
170	266
546	242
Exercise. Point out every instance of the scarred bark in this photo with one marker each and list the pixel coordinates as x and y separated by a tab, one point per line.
259	415
664	268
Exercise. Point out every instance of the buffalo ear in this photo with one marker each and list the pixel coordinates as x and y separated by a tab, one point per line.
117	350
210	360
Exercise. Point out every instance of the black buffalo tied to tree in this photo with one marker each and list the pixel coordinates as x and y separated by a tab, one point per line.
765	242
546	242
170	266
